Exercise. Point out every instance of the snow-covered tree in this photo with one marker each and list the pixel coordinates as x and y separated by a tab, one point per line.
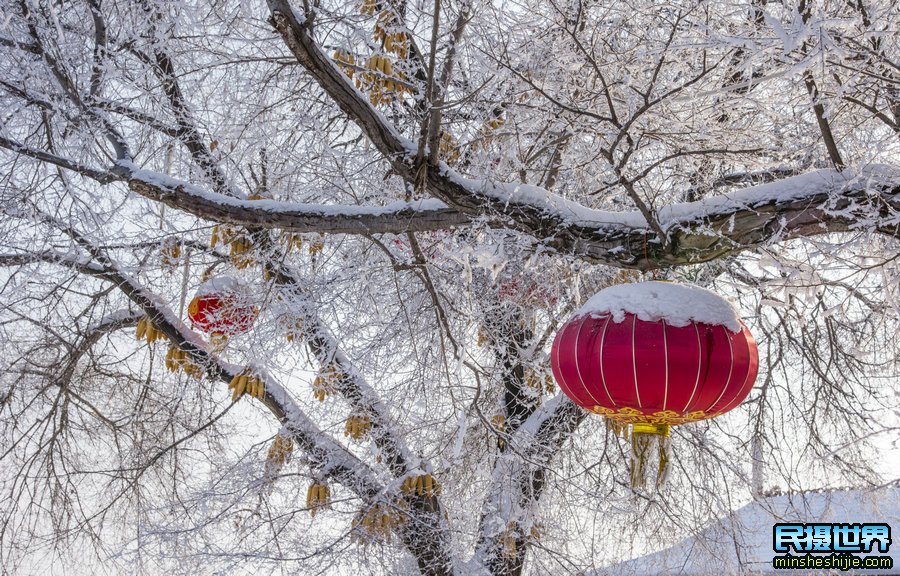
414	196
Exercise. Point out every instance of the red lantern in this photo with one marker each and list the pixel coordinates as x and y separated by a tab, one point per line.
221	309
653	355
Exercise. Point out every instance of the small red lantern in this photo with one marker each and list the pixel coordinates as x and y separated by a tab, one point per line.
220	308
654	355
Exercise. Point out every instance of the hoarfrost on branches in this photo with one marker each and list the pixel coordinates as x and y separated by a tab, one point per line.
416	196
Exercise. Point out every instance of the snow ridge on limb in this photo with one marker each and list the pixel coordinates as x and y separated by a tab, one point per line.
334	459
425	535
517	483
337	461
394	218
623	239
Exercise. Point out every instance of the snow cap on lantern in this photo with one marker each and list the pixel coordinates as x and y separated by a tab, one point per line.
221	308
652	355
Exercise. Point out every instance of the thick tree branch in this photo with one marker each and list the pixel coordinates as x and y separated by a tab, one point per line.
697	234
518	481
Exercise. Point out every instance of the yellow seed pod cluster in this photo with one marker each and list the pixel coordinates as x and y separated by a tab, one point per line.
279	452
537	529
498	421
542	383
397	43
170	252
222	234
376	523
179	360
326	383
357	426
483	336
318	497
294	240
147	331
316	246
246	381
421	485
381	83
369	7
295	330
508	542
449	148
487	131
241	252
346	62
390	34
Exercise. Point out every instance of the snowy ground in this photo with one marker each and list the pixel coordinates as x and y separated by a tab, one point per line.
742	543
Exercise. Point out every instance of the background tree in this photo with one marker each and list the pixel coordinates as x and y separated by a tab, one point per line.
416	195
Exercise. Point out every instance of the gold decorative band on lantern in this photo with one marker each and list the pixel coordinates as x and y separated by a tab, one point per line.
643	428
629	415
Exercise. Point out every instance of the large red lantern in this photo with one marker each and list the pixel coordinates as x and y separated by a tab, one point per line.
220	308
651	355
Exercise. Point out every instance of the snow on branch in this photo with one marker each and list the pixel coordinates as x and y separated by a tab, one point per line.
518	480
815	203
397	217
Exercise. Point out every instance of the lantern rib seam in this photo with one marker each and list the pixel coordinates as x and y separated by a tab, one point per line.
637	391
730	367
602	375
730	405
666	364
578	365
699	368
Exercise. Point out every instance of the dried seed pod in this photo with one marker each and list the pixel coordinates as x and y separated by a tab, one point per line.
369	7
448	148
498	421
357	426
247	382
170	252
344	57
326	383
508	542
318	497
316	247
141	329
482	337
295	331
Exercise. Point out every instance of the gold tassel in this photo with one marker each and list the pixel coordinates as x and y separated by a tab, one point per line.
665	456
643	438
617	428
